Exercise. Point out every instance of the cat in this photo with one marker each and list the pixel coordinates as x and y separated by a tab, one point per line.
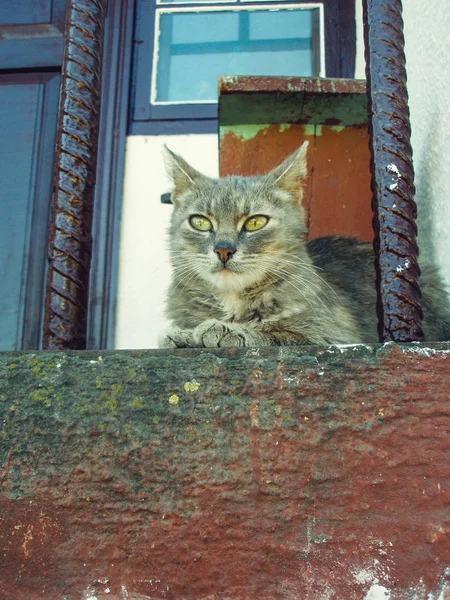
244	274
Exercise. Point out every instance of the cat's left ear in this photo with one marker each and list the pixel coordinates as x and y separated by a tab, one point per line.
182	174
289	176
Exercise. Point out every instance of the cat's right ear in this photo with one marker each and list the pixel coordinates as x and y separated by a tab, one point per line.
183	176
289	176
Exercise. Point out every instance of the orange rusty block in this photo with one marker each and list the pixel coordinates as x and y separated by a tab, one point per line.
341	195
265	150
249	154
337	190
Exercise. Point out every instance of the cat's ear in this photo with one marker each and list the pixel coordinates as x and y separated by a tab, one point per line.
289	175
183	176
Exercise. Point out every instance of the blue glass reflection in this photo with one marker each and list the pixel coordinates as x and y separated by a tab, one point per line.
197	47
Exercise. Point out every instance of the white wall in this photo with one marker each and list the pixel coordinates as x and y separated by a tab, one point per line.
427	48
360	63
144	260
143	270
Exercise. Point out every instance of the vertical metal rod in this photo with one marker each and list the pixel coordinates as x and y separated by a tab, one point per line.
398	306
69	250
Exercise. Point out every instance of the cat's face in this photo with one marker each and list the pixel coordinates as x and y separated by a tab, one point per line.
235	232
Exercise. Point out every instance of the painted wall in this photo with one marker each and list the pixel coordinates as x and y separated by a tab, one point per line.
144	272
360	63
427	39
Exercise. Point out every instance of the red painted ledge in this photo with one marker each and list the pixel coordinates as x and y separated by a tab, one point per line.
294	473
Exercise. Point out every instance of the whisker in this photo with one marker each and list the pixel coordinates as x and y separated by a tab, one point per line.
190	274
309	270
306	267
308	300
313	287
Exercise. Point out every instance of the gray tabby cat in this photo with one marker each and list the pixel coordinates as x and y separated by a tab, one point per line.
243	274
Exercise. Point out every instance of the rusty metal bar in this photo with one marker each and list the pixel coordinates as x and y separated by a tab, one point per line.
74	177
398	306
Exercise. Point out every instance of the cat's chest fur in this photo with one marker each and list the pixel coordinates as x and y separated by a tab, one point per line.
233	306
246	306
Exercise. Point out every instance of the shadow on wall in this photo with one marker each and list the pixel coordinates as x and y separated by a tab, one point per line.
425	163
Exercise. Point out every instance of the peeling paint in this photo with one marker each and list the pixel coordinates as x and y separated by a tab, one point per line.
377	592
310	129
253	352
423	350
393	169
229	79
444	593
124	594
353	347
245	132
90	594
337	128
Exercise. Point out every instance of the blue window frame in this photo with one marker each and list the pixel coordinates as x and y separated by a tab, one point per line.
182	47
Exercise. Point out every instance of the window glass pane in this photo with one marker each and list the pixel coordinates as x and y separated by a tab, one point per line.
19	109
196	28
265	24
196	48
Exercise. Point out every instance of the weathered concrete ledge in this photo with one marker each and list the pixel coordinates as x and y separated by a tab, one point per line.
297	473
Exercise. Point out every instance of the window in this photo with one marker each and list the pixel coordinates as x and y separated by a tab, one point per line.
183	47
241	40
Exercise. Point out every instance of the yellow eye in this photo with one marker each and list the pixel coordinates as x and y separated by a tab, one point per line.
255	223
200	223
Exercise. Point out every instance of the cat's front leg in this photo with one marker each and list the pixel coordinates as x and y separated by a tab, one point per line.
213	334
177	338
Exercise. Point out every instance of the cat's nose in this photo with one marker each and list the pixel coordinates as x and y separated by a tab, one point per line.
224	251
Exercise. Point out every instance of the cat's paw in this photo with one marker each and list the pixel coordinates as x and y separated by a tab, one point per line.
177	338
213	334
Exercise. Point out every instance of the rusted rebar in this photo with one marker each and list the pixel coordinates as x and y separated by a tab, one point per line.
74	177
398	306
